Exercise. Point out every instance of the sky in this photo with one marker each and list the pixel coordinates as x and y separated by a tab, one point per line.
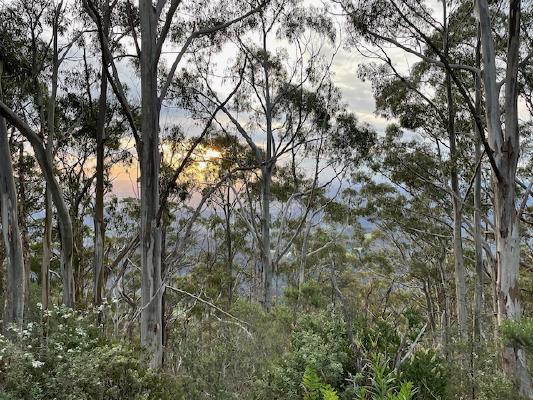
356	94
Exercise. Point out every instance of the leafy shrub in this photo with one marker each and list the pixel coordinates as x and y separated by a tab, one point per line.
75	362
427	370
318	341
518	333
314	389
222	358
381	383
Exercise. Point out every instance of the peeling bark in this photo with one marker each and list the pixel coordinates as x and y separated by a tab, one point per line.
505	146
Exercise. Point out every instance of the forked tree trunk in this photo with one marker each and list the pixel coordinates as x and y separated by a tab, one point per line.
65	224
505	145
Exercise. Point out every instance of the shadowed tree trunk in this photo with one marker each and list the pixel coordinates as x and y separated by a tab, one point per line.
266	256
22	223
99	227
460	276
15	282
151	286
478	305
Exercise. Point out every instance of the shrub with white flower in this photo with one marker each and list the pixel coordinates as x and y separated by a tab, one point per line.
75	361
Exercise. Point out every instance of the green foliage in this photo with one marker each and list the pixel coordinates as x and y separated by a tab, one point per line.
314	389
318	341
310	296
384	384
518	333
75	362
429	373
220	359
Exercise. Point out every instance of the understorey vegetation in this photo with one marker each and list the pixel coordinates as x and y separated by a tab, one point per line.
266	199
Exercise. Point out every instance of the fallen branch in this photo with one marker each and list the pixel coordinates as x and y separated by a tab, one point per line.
413	345
239	322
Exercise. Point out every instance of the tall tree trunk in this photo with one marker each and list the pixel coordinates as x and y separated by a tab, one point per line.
53	189
47	250
22	223
15	283
460	276
99	227
505	146
266	256
303	255
229	246
78	264
266	182
478	305
445	317
151	285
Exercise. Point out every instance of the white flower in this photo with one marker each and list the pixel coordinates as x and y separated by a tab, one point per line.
37	364
80	332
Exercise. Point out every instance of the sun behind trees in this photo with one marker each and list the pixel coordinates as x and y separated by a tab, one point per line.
271	238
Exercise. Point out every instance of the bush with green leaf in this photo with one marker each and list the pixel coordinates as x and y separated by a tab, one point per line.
73	361
314	388
380	382
318	341
518	333
428	371
221	358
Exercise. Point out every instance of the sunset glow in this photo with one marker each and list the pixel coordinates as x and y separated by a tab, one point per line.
208	155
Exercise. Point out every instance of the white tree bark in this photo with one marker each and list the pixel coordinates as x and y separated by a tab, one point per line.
505	146
65	224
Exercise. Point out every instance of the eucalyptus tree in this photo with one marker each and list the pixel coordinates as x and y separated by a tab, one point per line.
504	140
381	21
282	100
44	56
77	142
413	210
106	12
10	63
203	21
16	279
430	92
